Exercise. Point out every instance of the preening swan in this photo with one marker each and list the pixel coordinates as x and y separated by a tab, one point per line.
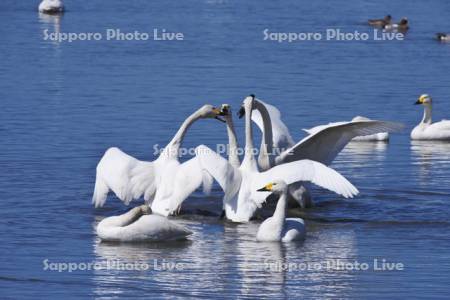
426	130
240	184
137	225
164	182
381	136
51	7
278	228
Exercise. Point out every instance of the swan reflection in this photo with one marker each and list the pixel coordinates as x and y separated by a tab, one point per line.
432	157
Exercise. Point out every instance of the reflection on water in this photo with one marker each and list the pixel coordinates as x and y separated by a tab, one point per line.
432	158
227	259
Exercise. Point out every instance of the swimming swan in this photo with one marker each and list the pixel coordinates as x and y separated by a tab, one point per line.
240	183
164	182
381	136
278	228
51	7
137	225
426	130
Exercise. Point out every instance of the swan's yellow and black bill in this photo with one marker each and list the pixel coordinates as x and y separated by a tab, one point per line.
419	101
266	188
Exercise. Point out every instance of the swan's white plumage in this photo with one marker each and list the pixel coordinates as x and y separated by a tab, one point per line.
426	129
123	174
304	170
51	6
325	143
134	226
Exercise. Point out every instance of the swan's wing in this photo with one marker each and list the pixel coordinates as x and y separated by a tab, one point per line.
319	128
303	170
188	177
281	137
228	177
323	146
126	176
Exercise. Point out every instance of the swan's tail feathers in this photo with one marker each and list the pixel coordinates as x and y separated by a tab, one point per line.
126	176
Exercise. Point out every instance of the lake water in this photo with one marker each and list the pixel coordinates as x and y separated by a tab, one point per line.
63	104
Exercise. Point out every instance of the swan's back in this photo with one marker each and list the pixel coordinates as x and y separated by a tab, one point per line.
294	229
146	228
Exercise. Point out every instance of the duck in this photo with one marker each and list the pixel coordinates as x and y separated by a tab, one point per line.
443	37
279	228
426	129
401	26
380	22
138	225
51	7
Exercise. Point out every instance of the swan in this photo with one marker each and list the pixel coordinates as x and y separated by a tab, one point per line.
381	136
380	22
278	228
164	182
239	183
137	225
322	146
426	130
51	7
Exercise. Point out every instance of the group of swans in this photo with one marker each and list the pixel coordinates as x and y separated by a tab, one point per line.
165	183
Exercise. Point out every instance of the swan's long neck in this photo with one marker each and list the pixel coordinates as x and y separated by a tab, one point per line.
249	159
427	114
174	145
265	160
113	228
279	215
233	157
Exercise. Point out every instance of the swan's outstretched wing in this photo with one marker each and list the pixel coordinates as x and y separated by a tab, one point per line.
188	176
126	176
303	170
282	139
324	145
228	177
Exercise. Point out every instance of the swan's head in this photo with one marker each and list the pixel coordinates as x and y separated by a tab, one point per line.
246	104
276	187
225	110
209	111
424	100
403	21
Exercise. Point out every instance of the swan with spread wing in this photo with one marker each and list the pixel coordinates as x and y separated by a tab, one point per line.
164	183
240	183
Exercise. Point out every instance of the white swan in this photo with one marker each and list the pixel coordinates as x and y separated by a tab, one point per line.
322	145
51	7
381	136
278	228
240	184
426	130
164	182
137	225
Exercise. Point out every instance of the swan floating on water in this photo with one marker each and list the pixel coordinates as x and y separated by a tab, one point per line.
137	225
278	228
51	7
240	183
427	130
165	182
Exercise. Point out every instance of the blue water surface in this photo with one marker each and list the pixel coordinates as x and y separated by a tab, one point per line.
63	104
